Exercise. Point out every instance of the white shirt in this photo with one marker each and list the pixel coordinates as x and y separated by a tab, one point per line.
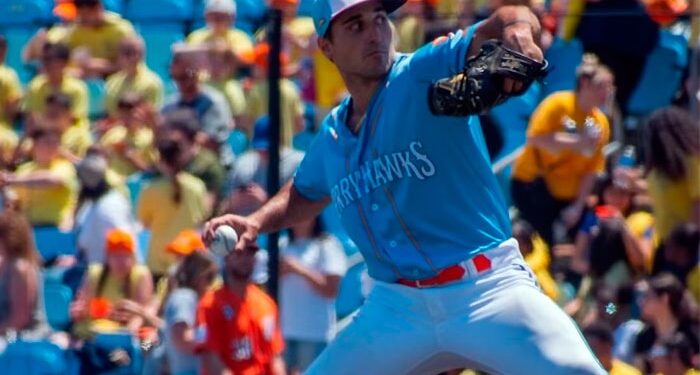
96	218
305	314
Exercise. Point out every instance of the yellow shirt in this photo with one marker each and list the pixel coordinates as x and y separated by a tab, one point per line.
238	40
8	143
39	89
290	104
159	213
674	200
539	260
641	225
145	82
49	204
562	171
10	91
330	87
119	138
113	289
622	368
232	90
77	139
411	32
103	41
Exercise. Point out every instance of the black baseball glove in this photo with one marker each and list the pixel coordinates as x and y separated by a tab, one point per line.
479	87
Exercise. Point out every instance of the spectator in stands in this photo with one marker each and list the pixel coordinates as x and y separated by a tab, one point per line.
210	107
171	202
129	142
536	254
615	240
666	312
75	135
600	337
54	78
410	26
46	185
220	15
223	65
194	277
95	37
291	106
556	172
10	97
133	76
251	343
101	208
682	257
21	306
200	162
674	356
312	266
671	158
248	179
107	284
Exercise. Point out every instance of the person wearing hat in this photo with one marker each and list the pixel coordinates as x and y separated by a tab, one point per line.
101	208
291	105
106	284
451	287
220	15
238	327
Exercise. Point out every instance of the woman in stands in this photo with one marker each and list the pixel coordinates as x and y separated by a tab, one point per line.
109	284
556	172
671	157
173	201
21	307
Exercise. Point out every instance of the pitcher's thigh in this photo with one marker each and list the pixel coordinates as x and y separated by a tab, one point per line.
521	331
378	341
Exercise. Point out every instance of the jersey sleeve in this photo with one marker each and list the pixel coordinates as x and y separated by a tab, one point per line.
309	179
443	57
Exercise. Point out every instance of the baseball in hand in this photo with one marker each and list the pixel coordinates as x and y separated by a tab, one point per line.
225	238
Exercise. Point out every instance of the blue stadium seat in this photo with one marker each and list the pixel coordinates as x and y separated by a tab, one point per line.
17	37
33	358
24	12
116	6
662	75
125	341
52	242
57	300
96	94
147	11
144	238
159	37
564	57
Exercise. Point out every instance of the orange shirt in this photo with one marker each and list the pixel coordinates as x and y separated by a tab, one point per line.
244	332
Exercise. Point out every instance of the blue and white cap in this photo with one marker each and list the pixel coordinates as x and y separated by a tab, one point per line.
324	11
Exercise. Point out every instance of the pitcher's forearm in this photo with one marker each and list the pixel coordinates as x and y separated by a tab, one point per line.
286	208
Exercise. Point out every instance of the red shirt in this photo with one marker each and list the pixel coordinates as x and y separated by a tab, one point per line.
244	332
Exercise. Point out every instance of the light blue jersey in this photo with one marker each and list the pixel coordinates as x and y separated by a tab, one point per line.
414	191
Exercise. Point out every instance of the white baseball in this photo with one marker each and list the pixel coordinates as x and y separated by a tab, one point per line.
224	241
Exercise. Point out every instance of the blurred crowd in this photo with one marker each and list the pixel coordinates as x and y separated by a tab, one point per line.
612	233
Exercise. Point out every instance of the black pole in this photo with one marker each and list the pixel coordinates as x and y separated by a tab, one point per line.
274	37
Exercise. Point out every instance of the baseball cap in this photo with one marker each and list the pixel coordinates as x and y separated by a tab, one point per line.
119	241
185	243
324	11
220	6
91	170
261	134
65	9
